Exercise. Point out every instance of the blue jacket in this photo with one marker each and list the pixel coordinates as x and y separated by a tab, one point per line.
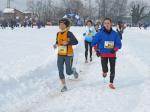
89	33
106	42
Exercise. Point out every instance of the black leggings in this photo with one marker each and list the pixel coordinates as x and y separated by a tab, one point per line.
88	46
112	61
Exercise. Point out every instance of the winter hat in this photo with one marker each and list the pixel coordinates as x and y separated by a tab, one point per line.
65	21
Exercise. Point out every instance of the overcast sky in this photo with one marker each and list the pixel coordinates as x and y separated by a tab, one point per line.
21	4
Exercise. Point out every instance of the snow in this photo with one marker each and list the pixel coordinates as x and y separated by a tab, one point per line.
29	79
9	10
27	12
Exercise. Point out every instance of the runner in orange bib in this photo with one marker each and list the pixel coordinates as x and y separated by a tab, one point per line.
64	41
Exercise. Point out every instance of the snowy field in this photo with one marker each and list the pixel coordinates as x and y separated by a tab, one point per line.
29	79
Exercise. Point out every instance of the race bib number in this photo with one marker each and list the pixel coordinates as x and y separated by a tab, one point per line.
109	44
62	50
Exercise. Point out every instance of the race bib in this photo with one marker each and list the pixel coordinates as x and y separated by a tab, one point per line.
109	44
62	50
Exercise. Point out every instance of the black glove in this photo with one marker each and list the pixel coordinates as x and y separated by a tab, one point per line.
84	34
113	51
97	53
90	31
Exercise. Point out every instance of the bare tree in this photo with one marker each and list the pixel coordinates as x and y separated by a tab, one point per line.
48	10
99	8
43	9
118	10
138	13
114	9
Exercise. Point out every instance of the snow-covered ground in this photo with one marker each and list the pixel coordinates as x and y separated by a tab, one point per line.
29	79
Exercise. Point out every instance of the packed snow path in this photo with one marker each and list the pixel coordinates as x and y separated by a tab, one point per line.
29	77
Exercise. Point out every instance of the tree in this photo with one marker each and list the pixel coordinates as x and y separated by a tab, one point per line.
118	10
138	13
43	9
99	8
114	9
87	9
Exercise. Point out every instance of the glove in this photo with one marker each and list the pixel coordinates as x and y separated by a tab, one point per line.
113	51
84	34
95	48
97	53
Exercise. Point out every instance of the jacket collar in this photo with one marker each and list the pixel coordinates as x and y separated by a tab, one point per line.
106	31
65	30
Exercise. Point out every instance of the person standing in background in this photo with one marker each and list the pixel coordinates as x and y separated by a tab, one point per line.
120	29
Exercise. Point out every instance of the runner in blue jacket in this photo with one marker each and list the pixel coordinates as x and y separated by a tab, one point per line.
108	43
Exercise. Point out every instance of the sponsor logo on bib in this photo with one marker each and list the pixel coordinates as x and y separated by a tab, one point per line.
109	44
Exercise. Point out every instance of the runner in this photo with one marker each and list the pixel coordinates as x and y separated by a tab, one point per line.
108	42
65	40
88	35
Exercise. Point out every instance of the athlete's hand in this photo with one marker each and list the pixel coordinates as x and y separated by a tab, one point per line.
90	31
84	34
98	53
65	43
113	51
55	46
95	48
